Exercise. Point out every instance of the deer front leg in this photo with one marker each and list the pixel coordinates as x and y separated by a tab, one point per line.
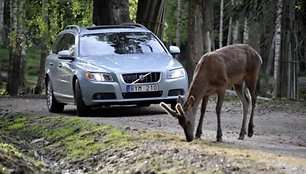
203	110
221	95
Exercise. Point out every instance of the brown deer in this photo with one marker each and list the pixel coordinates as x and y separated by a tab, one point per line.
231	65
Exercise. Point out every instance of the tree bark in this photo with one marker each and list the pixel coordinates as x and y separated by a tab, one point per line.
1	21
110	12
40	85
151	13
230	27
287	81
17	51
178	23
221	24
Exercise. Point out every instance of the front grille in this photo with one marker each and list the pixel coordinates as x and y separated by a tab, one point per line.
136	78
142	94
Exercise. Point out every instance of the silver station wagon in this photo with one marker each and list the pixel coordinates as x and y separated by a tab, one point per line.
111	65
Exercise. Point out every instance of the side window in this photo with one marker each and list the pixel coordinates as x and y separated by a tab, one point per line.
64	42
55	48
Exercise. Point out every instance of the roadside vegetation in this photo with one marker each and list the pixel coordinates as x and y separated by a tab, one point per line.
35	144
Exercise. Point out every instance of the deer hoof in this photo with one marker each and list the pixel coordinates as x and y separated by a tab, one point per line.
198	135
219	139
241	137
250	133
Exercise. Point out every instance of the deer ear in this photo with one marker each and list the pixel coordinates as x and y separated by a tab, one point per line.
191	101
169	110
180	100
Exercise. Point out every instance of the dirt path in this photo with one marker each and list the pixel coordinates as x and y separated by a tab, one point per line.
278	129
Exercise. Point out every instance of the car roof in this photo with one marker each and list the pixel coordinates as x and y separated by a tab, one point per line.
126	27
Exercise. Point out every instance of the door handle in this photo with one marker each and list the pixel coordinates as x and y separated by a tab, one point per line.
60	65
51	63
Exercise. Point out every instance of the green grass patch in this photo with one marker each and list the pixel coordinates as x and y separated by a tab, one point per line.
74	140
73	136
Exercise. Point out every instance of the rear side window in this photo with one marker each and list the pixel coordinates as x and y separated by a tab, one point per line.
64	42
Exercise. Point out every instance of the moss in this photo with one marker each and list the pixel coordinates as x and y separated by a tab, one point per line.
74	136
6	148
75	139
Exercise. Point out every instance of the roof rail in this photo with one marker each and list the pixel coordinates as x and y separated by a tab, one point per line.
72	27
131	24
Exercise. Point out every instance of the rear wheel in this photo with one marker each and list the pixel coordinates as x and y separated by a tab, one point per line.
82	109
52	104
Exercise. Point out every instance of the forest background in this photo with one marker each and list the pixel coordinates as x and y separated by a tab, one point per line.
275	28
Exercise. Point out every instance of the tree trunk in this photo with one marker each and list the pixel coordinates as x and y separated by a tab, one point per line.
195	47
221	24
178	22
287	81
230	27
207	28
110	12
151	13
278	29
1	33
246	31
17	51
40	85
1	21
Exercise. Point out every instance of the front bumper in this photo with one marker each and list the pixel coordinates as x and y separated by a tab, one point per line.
115	93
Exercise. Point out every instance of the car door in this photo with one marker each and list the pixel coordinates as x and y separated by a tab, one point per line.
63	69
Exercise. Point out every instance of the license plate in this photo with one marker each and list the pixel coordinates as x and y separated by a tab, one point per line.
141	88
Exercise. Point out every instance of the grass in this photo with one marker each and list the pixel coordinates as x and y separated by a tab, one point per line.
72	138
77	137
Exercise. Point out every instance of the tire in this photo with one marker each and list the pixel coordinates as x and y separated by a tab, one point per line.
82	109
52	104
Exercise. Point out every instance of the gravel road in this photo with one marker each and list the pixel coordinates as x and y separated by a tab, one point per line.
278	130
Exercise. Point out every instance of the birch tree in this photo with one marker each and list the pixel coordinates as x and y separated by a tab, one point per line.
16	74
287	74
221	24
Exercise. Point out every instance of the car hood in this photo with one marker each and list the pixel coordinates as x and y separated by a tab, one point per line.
129	62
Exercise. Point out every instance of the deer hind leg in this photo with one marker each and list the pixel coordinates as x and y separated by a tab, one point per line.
221	95
203	110
251	84
245	106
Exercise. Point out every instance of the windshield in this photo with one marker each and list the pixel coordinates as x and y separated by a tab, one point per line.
119	43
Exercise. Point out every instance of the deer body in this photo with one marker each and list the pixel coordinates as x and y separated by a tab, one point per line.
232	65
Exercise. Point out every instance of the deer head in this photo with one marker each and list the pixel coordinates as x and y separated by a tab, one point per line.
185	113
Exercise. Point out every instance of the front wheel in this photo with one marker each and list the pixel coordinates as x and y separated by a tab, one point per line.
52	104
82	109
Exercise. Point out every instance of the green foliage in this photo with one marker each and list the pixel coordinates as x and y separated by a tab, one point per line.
171	21
133	9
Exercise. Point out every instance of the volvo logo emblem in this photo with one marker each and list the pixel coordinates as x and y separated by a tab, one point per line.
141	78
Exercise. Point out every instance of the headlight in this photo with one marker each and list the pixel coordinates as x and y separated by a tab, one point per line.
99	77
176	73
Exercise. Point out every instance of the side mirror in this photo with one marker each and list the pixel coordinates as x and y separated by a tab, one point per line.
65	54
174	50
